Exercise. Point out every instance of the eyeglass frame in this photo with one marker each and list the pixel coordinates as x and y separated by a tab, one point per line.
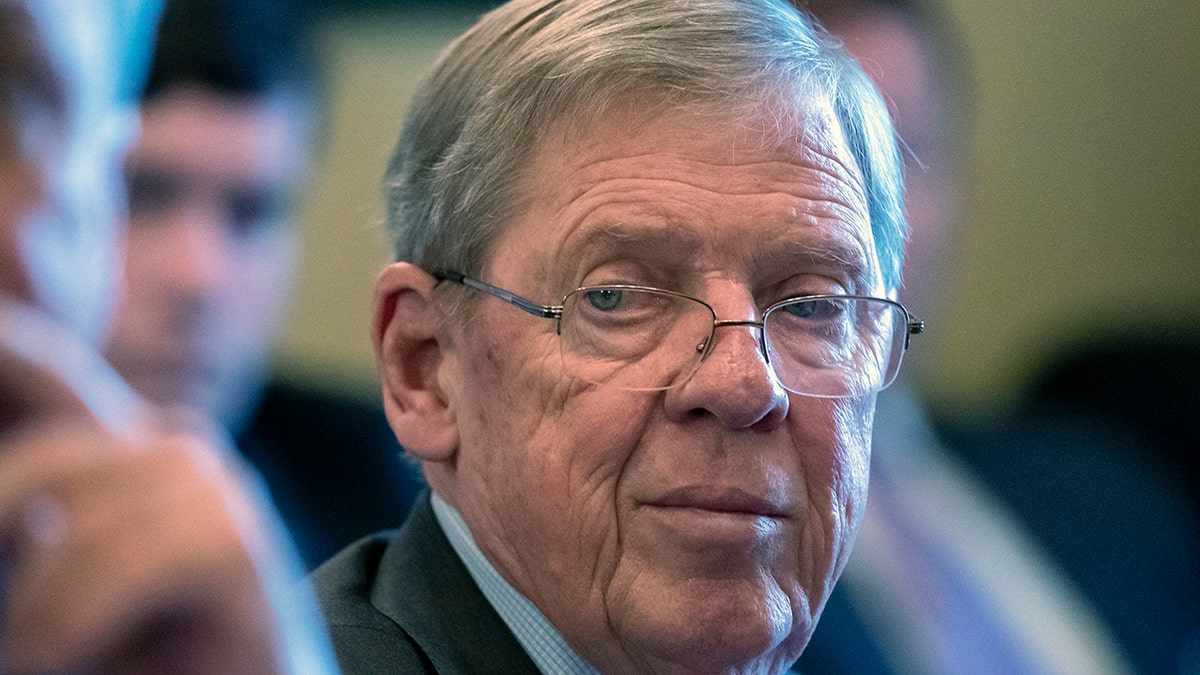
913	326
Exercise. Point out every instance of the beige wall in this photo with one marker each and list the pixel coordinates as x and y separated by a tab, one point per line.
1082	189
375	62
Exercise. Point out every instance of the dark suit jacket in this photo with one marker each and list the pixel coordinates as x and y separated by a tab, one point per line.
403	602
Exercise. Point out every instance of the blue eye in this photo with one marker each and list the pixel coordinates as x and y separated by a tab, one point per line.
605	300
813	309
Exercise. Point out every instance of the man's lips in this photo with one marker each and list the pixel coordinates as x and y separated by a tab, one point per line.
730	500
717	528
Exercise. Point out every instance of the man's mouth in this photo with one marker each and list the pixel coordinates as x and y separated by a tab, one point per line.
729	500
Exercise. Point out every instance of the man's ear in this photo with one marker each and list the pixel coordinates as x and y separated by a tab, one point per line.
408	354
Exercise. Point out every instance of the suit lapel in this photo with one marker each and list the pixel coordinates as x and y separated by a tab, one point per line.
424	587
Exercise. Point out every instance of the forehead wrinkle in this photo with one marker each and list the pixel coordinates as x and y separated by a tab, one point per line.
659	231
831	239
844	175
811	170
659	216
820	158
814	156
757	176
811	174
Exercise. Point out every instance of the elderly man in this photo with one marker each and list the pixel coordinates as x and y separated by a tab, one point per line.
129	539
641	315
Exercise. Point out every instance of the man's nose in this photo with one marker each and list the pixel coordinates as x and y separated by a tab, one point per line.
734	383
196	259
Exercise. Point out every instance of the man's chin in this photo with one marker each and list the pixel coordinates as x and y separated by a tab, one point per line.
722	625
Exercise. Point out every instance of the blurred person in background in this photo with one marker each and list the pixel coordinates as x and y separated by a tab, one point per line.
231	114
131	538
954	571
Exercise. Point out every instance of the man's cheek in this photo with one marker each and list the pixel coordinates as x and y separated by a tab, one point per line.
838	433
854	419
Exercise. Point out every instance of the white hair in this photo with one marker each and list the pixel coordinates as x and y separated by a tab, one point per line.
453	177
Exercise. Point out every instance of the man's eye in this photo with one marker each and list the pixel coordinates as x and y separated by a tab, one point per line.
813	309
605	300
150	194
254	212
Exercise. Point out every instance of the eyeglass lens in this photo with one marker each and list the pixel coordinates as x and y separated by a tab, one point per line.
835	346
644	339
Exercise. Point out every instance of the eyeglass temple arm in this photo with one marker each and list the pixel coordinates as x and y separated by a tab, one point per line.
545	311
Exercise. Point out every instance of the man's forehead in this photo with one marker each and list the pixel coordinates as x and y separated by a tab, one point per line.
696	145
650	183
261	138
775	144
788	127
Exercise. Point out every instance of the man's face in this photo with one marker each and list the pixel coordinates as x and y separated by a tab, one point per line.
702	526
211	247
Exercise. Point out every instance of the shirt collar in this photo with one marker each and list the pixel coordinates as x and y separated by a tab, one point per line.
549	651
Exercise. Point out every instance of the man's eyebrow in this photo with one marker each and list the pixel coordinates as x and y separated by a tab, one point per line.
623	235
664	241
837	254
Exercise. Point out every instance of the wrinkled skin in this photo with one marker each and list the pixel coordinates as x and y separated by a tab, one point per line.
697	529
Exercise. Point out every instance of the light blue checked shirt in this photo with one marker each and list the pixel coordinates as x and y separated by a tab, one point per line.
545	646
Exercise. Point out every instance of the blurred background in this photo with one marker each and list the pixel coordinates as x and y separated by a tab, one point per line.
1079	220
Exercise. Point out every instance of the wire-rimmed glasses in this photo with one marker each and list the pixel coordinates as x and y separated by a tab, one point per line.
644	339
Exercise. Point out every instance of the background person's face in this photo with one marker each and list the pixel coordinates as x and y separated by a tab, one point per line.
211	248
901	65
701	525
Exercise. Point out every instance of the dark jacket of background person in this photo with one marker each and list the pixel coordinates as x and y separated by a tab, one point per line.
332	465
